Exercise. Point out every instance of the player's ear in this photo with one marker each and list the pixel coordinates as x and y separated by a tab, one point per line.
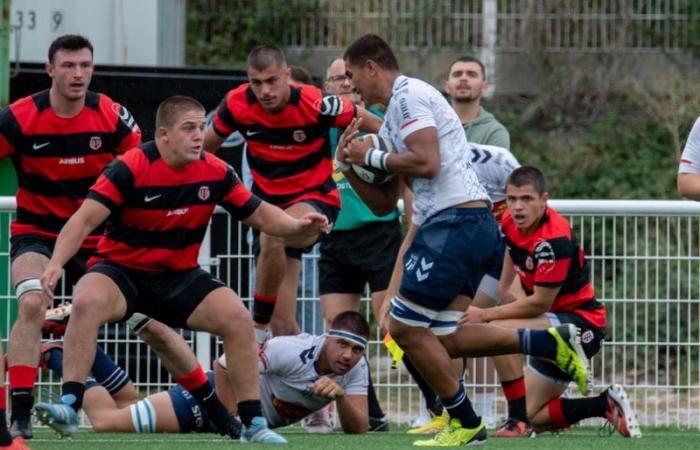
545	196
49	69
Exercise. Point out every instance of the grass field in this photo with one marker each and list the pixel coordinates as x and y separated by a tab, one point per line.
581	438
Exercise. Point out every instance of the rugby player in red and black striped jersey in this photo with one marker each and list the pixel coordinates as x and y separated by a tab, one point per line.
552	267
286	129
59	139
159	198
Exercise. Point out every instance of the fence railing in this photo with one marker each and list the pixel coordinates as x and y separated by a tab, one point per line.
645	266
575	25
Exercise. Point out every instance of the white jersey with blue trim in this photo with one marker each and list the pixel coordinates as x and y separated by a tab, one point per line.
288	368
493	165
690	159
414	105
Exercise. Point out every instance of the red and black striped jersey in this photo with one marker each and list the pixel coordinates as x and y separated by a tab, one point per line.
159	214
552	257
57	159
288	152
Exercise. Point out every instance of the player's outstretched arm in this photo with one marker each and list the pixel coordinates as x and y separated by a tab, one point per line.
89	216
352	409
274	221
369	123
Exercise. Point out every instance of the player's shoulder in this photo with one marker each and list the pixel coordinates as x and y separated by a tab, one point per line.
24	111
555	226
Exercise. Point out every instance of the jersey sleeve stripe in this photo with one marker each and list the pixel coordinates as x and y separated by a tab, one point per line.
103	199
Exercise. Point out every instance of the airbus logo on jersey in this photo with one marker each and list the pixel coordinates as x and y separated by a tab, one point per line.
178	212
71	161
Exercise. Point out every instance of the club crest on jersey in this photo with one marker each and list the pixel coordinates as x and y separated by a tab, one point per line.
95	142
299	135
203	193
587	337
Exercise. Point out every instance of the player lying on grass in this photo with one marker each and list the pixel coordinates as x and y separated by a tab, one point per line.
298	375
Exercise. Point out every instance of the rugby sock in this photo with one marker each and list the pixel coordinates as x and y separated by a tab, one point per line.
537	343
373	406
197	384
459	407
248	409
577	409
108	373
21	386
514	390
72	394
263	307
556	416
432	402
5	438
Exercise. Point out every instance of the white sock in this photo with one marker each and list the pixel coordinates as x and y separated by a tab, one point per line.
261	335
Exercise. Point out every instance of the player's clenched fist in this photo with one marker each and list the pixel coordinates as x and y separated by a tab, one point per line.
325	387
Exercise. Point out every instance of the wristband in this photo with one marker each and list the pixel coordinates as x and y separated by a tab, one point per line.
376	158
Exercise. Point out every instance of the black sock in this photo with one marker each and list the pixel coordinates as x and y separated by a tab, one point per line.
459	407
537	343
5	437
514	391
72	394
432	401
373	406
248	409
22	401
577	409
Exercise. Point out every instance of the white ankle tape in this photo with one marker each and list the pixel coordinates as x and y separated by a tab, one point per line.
26	286
137	322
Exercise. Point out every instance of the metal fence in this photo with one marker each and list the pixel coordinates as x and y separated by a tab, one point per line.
645	264
555	26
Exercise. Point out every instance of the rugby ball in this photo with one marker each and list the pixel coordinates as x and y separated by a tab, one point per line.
372	175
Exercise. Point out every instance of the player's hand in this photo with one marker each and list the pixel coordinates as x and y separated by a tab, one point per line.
473	314
49	280
356	150
314	223
348	134
325	387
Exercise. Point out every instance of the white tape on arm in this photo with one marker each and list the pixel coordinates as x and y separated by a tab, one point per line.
376	158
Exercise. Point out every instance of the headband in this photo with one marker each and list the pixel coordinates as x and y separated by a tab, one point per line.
349	336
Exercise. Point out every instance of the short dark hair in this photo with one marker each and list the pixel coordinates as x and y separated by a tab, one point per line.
263	56
171	107
371	46
301	75
528	176
468	59
351	321
70	42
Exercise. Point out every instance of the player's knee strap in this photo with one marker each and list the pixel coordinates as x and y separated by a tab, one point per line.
143	416
27	286
138	322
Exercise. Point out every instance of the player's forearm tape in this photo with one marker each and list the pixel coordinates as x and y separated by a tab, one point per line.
376	158
26	286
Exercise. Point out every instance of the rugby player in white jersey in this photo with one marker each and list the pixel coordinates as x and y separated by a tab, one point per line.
457	241
689	168
298	375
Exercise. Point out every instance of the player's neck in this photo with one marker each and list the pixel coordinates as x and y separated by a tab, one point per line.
64	107
467	111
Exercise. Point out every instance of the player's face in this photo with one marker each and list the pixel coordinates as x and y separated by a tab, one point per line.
342	355
339	83
365	85
185	137
71	72
526	206
271	87
465	82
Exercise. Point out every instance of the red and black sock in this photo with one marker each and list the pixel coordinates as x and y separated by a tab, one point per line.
263	307
577	409
514	390
21	386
